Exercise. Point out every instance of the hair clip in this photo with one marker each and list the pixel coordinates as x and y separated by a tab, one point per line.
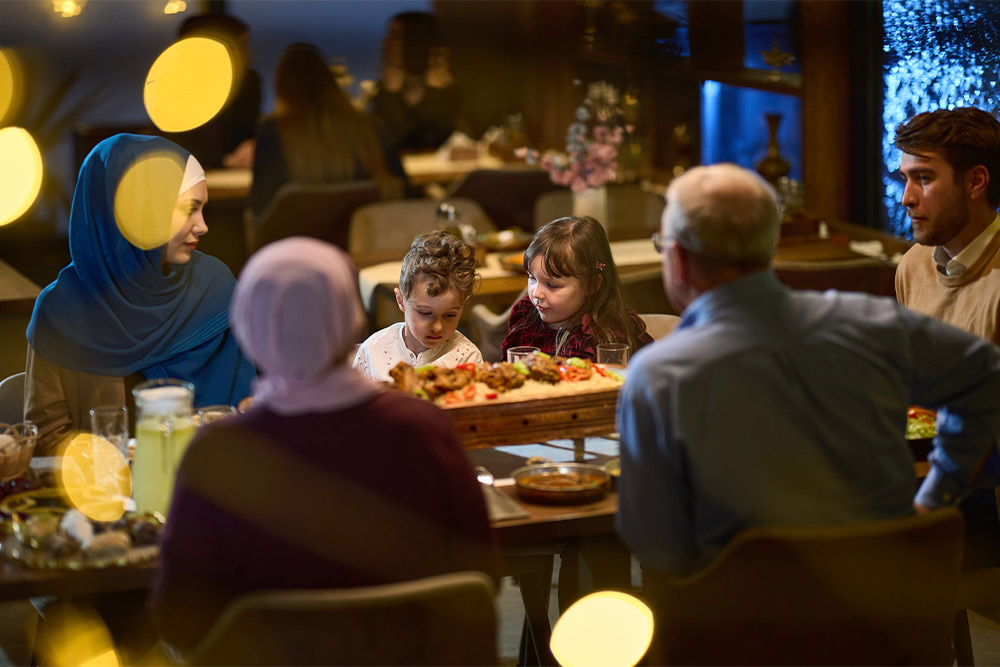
599	266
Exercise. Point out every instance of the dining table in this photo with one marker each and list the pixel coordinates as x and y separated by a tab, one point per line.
502	275
527	544
421	169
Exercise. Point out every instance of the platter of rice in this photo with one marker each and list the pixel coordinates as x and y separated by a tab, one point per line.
536	400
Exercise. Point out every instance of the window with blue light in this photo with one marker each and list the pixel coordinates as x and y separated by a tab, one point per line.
938	54
734	127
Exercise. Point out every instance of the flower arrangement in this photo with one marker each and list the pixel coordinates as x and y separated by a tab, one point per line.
592	141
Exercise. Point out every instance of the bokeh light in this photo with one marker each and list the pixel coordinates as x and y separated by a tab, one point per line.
68	8
189	84
145	199
95	477
11	85
175	7
76	635
20	173
604	629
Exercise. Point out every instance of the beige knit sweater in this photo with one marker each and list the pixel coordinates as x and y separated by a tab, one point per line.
970	300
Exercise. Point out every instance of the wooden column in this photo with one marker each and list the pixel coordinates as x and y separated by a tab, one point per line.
826	94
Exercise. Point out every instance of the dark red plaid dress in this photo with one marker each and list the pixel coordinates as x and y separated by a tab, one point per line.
526	328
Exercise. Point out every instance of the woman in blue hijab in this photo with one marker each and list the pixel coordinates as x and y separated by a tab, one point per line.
138	301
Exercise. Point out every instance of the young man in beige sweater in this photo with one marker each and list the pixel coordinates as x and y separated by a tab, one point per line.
951	166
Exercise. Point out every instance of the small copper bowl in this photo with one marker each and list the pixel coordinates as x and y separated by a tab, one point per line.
561	483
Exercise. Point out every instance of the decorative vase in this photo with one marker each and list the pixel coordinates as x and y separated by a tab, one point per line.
773	167
592	202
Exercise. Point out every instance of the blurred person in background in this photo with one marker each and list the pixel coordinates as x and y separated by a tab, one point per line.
228	139
417	100
315	135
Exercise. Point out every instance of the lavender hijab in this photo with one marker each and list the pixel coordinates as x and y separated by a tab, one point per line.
296	313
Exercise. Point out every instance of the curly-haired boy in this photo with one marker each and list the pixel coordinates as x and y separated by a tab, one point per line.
436	281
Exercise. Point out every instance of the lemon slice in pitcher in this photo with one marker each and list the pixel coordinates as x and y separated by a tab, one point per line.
95	477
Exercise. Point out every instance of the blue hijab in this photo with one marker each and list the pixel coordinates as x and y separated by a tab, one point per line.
113	312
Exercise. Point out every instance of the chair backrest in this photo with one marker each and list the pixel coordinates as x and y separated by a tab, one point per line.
488	329
851	275
507	195
659	325
386	229
12	399
447	619
879	593
632	211
321	210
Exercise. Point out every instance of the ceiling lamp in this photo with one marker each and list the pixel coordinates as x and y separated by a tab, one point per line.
68	8
175	7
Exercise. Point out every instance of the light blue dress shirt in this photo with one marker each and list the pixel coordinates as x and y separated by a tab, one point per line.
769	406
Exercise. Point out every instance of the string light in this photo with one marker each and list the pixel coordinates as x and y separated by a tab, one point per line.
175	7
68	8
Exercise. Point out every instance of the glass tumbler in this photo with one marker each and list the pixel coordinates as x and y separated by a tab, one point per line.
516	354
110	422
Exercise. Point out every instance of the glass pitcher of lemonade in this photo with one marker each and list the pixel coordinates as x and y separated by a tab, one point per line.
163	430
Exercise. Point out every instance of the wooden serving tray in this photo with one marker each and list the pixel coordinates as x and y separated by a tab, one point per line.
538	420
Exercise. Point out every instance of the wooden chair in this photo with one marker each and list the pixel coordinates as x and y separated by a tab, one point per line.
659	325
447	619
12	399
321	210
507	195
488	329
384	231
879	593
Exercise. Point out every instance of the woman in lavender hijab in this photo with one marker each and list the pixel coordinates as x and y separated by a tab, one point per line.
328	481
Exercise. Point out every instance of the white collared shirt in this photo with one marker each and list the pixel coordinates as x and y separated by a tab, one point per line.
386	348
952	266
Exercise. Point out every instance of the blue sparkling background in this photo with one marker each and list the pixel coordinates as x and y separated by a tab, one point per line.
937	54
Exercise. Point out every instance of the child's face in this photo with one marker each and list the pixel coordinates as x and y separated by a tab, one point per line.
557	300
429	320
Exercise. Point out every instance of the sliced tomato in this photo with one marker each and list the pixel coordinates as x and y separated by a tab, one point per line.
920	413
451	398
600	371
466	367
492	395
469	392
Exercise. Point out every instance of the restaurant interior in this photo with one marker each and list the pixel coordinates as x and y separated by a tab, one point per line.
805	92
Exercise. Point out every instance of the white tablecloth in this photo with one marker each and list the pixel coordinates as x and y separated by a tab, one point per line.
626	253
387	273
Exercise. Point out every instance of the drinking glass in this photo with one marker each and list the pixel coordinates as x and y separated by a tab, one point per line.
516	354
612	354
213	413
163	430
111	423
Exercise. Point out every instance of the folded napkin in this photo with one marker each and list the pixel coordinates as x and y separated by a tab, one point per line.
871	248
458	146
500	506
